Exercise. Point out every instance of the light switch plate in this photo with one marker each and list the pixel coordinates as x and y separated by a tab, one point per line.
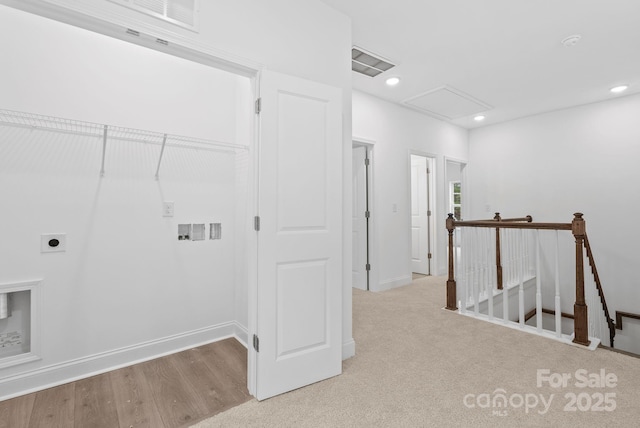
53	242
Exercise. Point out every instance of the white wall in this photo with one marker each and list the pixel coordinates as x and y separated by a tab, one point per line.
582	159
126	288
396	131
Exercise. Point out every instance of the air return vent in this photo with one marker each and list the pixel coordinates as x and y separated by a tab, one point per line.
178	12
366	63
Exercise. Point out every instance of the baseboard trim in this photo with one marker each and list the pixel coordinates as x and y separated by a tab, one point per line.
69	371
242	334
393	283
348	349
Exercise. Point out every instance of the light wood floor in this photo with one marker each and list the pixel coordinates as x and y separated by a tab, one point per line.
172	391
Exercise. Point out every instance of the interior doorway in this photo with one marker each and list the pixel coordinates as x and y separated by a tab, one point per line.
361	215
455	188
422	201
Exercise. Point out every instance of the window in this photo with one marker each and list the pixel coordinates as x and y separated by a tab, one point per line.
455	199
178	12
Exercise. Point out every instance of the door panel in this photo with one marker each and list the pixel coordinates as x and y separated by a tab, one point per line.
359	221
419	219
300	239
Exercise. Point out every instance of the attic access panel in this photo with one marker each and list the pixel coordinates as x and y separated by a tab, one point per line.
367	63
447	103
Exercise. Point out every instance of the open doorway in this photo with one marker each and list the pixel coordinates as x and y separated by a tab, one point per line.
421	170
454	190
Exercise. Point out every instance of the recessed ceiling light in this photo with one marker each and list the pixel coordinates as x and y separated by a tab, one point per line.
393	81
479	118
618	89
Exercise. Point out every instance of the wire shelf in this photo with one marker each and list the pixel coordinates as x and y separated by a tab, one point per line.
110	132
57	124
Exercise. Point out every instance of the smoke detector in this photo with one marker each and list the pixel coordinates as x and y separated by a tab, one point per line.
571	40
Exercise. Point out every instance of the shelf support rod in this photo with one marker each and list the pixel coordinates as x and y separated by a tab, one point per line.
104	150
164	142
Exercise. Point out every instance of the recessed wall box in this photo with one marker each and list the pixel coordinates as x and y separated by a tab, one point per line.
53	242
215	231
197	232
184	232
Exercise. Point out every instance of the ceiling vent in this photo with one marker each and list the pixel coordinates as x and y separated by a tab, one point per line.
366	63
178	12
447	103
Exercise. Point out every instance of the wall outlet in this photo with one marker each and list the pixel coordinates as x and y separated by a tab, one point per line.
53	242
167	209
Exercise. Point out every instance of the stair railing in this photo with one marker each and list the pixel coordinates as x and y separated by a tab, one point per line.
580	309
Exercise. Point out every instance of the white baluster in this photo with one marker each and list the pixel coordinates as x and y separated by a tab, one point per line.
538	285
505	289
521	279
476	272
461	248
493	275
557	274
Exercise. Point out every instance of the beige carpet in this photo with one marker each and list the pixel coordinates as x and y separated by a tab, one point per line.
415	364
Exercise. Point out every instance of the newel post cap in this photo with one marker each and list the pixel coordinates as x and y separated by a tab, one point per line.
578	225
450	222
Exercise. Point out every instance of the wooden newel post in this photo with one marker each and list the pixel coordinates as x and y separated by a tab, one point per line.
451	282
498	257
580	326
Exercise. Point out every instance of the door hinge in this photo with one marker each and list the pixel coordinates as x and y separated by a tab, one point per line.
366	161
258	105
428	171
428	212
368	267
429	255
256	343
256	223
367	214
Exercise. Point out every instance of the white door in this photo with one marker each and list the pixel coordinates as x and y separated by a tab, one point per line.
359	221
419	215
299	297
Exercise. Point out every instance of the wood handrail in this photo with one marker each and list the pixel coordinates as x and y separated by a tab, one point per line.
620	314
512	225
527	218
592	262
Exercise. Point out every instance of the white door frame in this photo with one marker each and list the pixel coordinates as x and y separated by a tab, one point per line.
369	145
182	47
433	221
463	181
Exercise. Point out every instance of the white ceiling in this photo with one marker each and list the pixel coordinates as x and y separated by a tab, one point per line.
507	54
